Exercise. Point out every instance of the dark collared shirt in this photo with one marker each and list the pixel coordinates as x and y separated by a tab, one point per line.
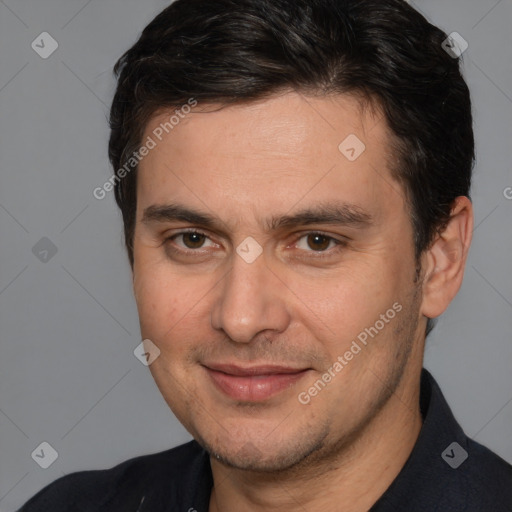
446	472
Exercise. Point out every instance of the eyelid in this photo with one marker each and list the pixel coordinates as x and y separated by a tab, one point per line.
339	243
318	255
183	232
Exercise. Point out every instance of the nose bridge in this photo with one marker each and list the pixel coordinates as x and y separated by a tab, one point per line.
249	298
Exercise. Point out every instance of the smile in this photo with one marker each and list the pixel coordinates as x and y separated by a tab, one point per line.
253	384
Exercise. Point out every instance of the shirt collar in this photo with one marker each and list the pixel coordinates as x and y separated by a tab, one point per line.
426	475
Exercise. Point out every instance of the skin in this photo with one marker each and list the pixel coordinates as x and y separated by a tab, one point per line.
243	164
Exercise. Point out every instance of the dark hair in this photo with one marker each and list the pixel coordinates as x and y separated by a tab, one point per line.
233	51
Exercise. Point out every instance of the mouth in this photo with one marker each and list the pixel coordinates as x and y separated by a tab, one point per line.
253	384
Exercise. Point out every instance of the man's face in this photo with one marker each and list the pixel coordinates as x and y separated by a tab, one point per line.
243	335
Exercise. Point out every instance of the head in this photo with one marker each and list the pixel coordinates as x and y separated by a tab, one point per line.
245	107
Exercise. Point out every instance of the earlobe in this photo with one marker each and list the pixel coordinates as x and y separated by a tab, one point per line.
445	260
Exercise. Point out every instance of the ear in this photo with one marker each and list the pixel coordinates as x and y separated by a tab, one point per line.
445	260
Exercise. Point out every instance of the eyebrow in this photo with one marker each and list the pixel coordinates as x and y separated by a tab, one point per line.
343	214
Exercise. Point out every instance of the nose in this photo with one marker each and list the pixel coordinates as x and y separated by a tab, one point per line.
251	299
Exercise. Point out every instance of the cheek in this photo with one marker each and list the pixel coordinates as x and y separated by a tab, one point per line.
157	301
169	304
343	305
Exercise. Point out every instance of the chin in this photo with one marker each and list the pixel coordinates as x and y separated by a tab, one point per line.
266	457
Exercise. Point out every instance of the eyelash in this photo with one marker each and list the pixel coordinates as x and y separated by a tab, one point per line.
318	254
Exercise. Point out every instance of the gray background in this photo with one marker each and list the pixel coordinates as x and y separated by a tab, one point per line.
69	325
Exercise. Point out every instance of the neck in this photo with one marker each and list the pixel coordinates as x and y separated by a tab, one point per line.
351	479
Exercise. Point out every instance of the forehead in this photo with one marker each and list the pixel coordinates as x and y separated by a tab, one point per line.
289	124
274	152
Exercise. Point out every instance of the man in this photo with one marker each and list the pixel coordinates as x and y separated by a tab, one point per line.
294	182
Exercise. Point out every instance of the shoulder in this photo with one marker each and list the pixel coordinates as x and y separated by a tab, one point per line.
446	469
467	473
121	487
471	472
486	479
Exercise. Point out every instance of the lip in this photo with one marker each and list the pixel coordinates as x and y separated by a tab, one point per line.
253	384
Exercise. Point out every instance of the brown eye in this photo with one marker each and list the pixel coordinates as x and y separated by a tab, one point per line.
318	242
193	240
319	245
189	243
